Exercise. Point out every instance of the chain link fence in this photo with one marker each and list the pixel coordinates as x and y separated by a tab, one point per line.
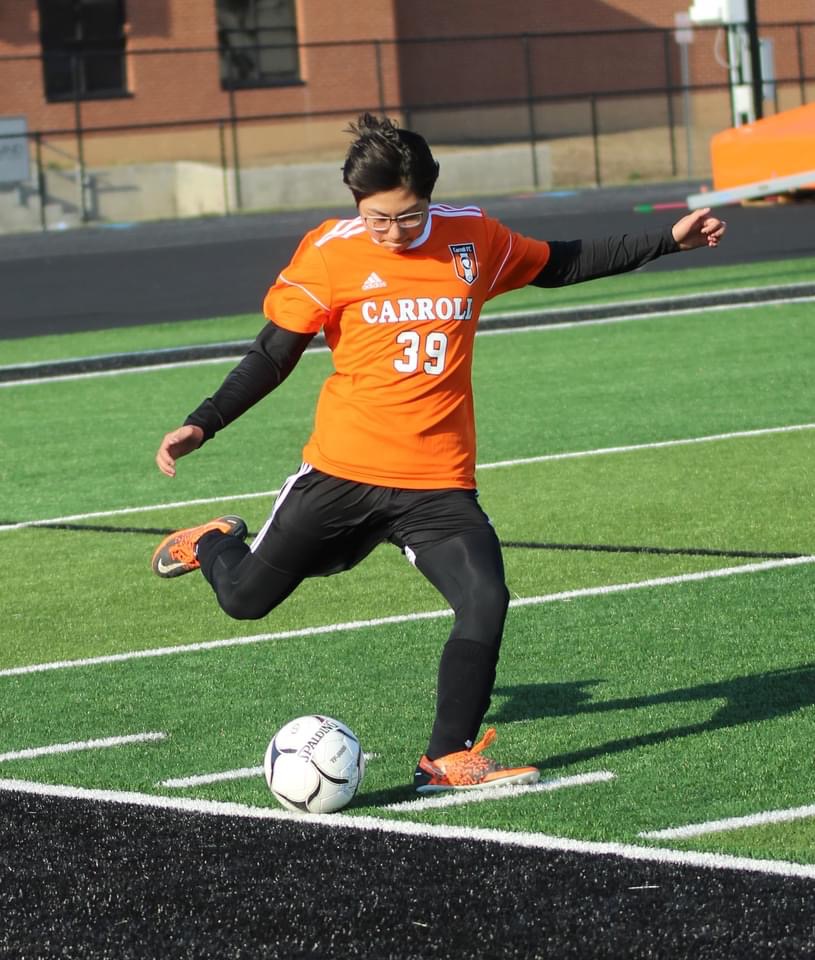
514	113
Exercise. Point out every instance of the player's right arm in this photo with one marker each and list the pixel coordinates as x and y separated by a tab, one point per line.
177	443
295	307
270	359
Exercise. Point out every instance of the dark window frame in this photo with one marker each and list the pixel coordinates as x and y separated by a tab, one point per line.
241	48
76	64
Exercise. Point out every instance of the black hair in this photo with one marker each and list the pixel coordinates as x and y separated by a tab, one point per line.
384	157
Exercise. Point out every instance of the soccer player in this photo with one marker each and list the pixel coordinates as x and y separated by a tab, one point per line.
397	291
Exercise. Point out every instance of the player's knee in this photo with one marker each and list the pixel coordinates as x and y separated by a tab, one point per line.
239	611
481	616
247	590
242	605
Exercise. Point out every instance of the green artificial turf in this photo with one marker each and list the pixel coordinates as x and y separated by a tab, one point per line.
641	645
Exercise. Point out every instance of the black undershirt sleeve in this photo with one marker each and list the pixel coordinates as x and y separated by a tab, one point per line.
573	261
271	358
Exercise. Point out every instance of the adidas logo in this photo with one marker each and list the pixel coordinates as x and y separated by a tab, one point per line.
374	282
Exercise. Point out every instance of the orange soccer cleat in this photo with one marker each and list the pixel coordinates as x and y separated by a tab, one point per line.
177	554
469	770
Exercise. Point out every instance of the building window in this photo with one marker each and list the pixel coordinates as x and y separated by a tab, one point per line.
258	43
83	48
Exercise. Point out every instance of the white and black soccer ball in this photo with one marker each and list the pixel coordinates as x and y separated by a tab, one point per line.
314	764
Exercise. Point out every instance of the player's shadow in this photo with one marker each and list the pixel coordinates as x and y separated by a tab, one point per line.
750	699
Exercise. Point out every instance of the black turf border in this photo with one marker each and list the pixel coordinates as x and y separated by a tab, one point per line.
236	348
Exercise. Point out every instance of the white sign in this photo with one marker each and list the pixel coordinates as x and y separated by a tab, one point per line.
13	150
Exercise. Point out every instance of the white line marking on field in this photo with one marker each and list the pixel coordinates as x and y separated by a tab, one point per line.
657	445
625	318
538	841
457	799
521	461
401	618
124	511
77	745
242	773
118	372
731	823
151	368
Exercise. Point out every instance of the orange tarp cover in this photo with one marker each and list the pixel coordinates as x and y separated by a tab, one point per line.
776	146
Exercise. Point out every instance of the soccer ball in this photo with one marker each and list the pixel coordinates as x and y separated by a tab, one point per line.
314	764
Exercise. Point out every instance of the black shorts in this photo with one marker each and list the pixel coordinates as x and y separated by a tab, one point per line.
322	524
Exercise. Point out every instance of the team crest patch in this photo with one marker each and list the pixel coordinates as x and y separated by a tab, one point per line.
465	261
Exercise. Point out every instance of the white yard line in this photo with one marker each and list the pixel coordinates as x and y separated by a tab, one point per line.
731	823
330	628
663	581
497	464
625	318
241	773
121	371
656	445
461	797
77	745
203	779
125	511
537	841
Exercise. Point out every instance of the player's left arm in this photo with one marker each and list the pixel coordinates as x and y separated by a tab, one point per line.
574	261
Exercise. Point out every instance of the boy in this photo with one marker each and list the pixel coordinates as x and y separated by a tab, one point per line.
397	291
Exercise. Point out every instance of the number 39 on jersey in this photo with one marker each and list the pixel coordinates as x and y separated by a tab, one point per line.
425	350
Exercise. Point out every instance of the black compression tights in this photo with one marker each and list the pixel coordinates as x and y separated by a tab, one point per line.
246	587
467	570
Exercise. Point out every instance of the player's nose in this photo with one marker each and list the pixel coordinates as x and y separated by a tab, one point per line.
395	230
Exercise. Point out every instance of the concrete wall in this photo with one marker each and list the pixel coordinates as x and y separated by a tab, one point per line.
127	193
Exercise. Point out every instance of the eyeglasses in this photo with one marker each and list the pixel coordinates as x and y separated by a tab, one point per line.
405	220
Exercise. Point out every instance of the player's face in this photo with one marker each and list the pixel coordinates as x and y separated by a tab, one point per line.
394	218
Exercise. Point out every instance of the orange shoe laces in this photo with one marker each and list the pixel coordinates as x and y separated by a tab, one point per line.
183	550
468	766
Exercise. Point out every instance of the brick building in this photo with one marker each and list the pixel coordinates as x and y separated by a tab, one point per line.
240	83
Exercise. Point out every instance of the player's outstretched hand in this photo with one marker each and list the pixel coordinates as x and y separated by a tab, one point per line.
698	229
178	443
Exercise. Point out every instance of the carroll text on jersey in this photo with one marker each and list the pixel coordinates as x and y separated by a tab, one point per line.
417	310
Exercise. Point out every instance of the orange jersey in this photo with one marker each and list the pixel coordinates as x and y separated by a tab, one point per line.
398	409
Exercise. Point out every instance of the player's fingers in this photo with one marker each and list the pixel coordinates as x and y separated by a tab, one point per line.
688	232
165	461
177	443
696	219
714	230
169	449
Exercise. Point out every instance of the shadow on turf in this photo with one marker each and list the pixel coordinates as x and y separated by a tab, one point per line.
750	699
508	544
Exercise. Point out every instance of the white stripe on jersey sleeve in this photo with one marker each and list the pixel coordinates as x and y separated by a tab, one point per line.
342	230
445	210
503	263
305	290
